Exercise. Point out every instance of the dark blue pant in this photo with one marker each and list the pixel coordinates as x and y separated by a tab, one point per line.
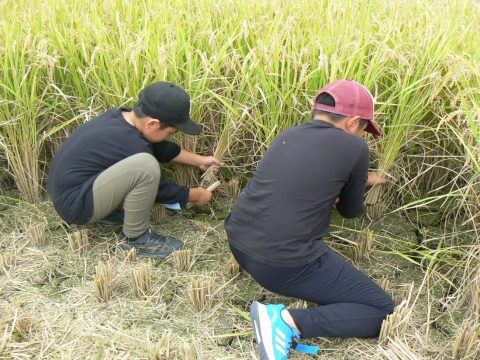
352	305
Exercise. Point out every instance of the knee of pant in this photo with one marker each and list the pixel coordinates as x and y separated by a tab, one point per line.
147	164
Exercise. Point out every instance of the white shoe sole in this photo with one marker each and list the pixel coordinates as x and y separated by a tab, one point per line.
262	328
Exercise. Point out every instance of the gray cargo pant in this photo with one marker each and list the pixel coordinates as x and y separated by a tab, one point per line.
132	182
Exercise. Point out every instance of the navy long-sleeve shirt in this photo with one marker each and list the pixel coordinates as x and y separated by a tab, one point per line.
94	147
284	212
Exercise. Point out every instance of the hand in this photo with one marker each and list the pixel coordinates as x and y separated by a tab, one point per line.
206	162
199	196
375	179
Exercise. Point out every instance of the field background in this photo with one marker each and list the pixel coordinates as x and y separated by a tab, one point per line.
252	69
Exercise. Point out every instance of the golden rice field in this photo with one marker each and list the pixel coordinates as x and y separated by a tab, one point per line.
252	69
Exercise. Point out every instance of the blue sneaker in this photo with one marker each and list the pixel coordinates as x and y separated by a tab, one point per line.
274	337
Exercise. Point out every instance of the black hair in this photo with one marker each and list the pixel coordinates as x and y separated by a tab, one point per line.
327	99
139	113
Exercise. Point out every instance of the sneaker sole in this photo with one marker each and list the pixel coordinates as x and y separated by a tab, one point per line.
263	334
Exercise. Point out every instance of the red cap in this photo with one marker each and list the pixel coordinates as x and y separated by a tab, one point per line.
351	99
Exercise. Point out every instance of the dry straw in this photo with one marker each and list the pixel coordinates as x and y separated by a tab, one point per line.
78	241
398	350
37	233
182	259
465	345
102	283
299	304
142	280
200	292
23	326
364	245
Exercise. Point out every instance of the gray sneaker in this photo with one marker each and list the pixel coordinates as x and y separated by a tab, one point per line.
152	245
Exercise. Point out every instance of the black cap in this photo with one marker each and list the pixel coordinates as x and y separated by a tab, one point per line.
169	104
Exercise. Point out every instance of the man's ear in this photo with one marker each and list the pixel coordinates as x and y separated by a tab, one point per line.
150	124
353	121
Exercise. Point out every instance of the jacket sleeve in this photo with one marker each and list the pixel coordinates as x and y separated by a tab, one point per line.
170	193
165	151
350	203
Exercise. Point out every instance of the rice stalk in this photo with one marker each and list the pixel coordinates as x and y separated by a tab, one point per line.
102	282
158	214
402	292
375	210
7	260
4	340
78	241
37	233
232	188
129	255
465	345
227	136
232	268
469	292
166	347
184	174
182	259
142	280
190	351
396	324
364	245
385	283
200	292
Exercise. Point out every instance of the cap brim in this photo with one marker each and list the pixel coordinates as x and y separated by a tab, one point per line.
190	127
373	128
